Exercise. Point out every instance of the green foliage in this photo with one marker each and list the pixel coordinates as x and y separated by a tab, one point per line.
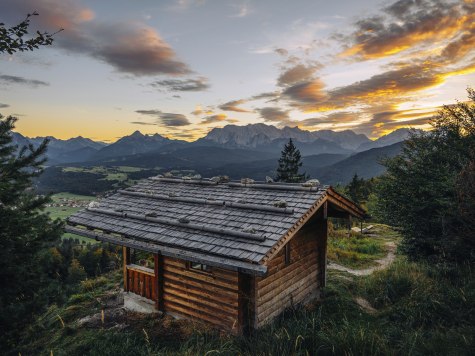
423	191
25	233
289	165
355	250
359	189
76	272
12	39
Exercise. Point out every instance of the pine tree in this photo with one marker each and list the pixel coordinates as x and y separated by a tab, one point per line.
427	190
25	232
289	165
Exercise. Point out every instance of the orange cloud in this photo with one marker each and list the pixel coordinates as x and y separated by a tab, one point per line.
403	25
233	105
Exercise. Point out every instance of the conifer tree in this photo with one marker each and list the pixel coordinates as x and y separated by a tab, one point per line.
25	231
427	190
289	165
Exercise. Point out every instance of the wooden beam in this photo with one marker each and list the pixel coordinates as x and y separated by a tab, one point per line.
325	209
126	261
246	300
322	231
158	259
349	225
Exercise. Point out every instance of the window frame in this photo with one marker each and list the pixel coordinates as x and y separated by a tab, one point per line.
203	267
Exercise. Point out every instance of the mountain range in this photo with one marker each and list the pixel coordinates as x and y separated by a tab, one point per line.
252	150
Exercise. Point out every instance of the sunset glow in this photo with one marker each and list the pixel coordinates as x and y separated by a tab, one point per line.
180	68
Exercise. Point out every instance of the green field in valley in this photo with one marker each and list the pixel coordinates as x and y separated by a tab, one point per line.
65	204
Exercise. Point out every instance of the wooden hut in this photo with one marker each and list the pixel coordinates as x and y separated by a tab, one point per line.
233	254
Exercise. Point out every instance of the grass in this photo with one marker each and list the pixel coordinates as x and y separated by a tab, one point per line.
63	212
360	251
420	311
118	173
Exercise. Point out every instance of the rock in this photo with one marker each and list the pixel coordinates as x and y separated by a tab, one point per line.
247	181
280	204
94	204
269	179
311	183
183	220
220	179
249	230
105	317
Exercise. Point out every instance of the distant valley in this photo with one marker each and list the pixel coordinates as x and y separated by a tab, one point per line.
238	151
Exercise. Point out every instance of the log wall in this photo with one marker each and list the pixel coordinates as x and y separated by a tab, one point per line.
210	297
284	286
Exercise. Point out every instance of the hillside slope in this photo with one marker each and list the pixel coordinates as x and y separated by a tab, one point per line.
366	164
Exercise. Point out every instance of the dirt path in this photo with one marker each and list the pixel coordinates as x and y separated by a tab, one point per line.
382	263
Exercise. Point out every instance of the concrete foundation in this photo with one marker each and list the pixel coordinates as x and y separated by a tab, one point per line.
139	304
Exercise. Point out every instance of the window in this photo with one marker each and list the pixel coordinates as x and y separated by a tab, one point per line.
199	267
287	254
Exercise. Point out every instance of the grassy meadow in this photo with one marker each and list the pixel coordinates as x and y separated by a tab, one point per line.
62	212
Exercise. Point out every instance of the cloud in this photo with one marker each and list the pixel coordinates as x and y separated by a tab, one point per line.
135	49
3	106
197	84
273	95
274	114
166	119
233	105
406	24
13	79
392	86
214	119
198	111
143	123
306	93
297	74
333	118
129	47
282	52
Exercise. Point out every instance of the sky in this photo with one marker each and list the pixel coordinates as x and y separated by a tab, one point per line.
183	67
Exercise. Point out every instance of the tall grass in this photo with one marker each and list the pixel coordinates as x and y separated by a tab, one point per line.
355	250
421	310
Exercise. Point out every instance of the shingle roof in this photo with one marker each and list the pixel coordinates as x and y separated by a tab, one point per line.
204	220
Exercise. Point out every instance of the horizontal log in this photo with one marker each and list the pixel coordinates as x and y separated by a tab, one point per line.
217	310
280	262
220	203
306	294
216	271
186	312
198	284
208	278
177	223
141	270
281	285
281	296
288	272
207	298
212	260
